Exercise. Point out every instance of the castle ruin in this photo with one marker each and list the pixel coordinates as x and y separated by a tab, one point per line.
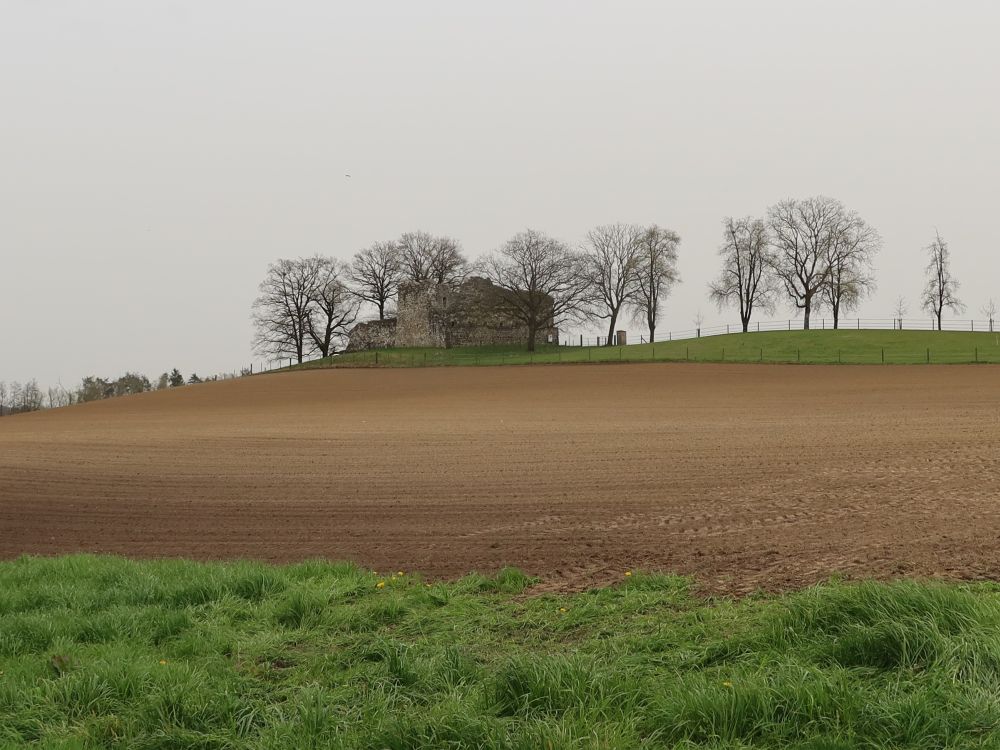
428	314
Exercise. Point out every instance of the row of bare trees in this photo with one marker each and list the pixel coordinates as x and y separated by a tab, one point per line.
307	305
619	267
16	398
818	255
813	252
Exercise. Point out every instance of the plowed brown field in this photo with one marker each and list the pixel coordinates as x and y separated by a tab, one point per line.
747	476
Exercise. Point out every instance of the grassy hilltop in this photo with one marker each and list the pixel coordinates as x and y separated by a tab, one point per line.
99	652
808	347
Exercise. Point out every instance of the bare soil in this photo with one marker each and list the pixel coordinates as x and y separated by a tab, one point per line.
745	476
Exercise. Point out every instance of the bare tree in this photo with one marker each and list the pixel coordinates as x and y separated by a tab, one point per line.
802	233
14	394
375	273
655	271
611	261
281	314
448	264
334	309
25	397
699	321
424	257
901	310
746	266
990	311
3	398
941	290
850	259
540	280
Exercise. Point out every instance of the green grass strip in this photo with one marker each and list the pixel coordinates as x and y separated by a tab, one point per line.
804	347
100	652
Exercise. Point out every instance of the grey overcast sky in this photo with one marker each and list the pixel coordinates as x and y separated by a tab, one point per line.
157	155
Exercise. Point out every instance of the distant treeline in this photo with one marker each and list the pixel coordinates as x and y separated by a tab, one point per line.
17	398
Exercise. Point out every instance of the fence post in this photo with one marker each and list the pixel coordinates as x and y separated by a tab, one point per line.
376	357
928	355
977	355
883	355
762	354
723	354
687	353
789	325
839	362
798	355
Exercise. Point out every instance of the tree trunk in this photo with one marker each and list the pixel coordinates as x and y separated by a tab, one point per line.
745	320
939	317
532	332
836	316
381	310
805	315
652	331
611	328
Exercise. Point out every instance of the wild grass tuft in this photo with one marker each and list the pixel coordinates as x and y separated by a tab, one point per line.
100	652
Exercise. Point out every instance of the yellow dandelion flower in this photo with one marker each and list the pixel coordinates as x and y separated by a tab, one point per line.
163	661
727	683
380	585
400	573
628	573
562	609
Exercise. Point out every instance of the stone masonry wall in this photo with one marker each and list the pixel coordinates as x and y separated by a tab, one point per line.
441	315
375	334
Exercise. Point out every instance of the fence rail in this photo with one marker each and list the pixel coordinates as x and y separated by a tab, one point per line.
794	324
576	347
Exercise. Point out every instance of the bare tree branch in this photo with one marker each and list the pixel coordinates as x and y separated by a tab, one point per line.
424	257
282	311
850	259
747	260
376	273
941	290
802	232
540	281
611	259
655	271
334	308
